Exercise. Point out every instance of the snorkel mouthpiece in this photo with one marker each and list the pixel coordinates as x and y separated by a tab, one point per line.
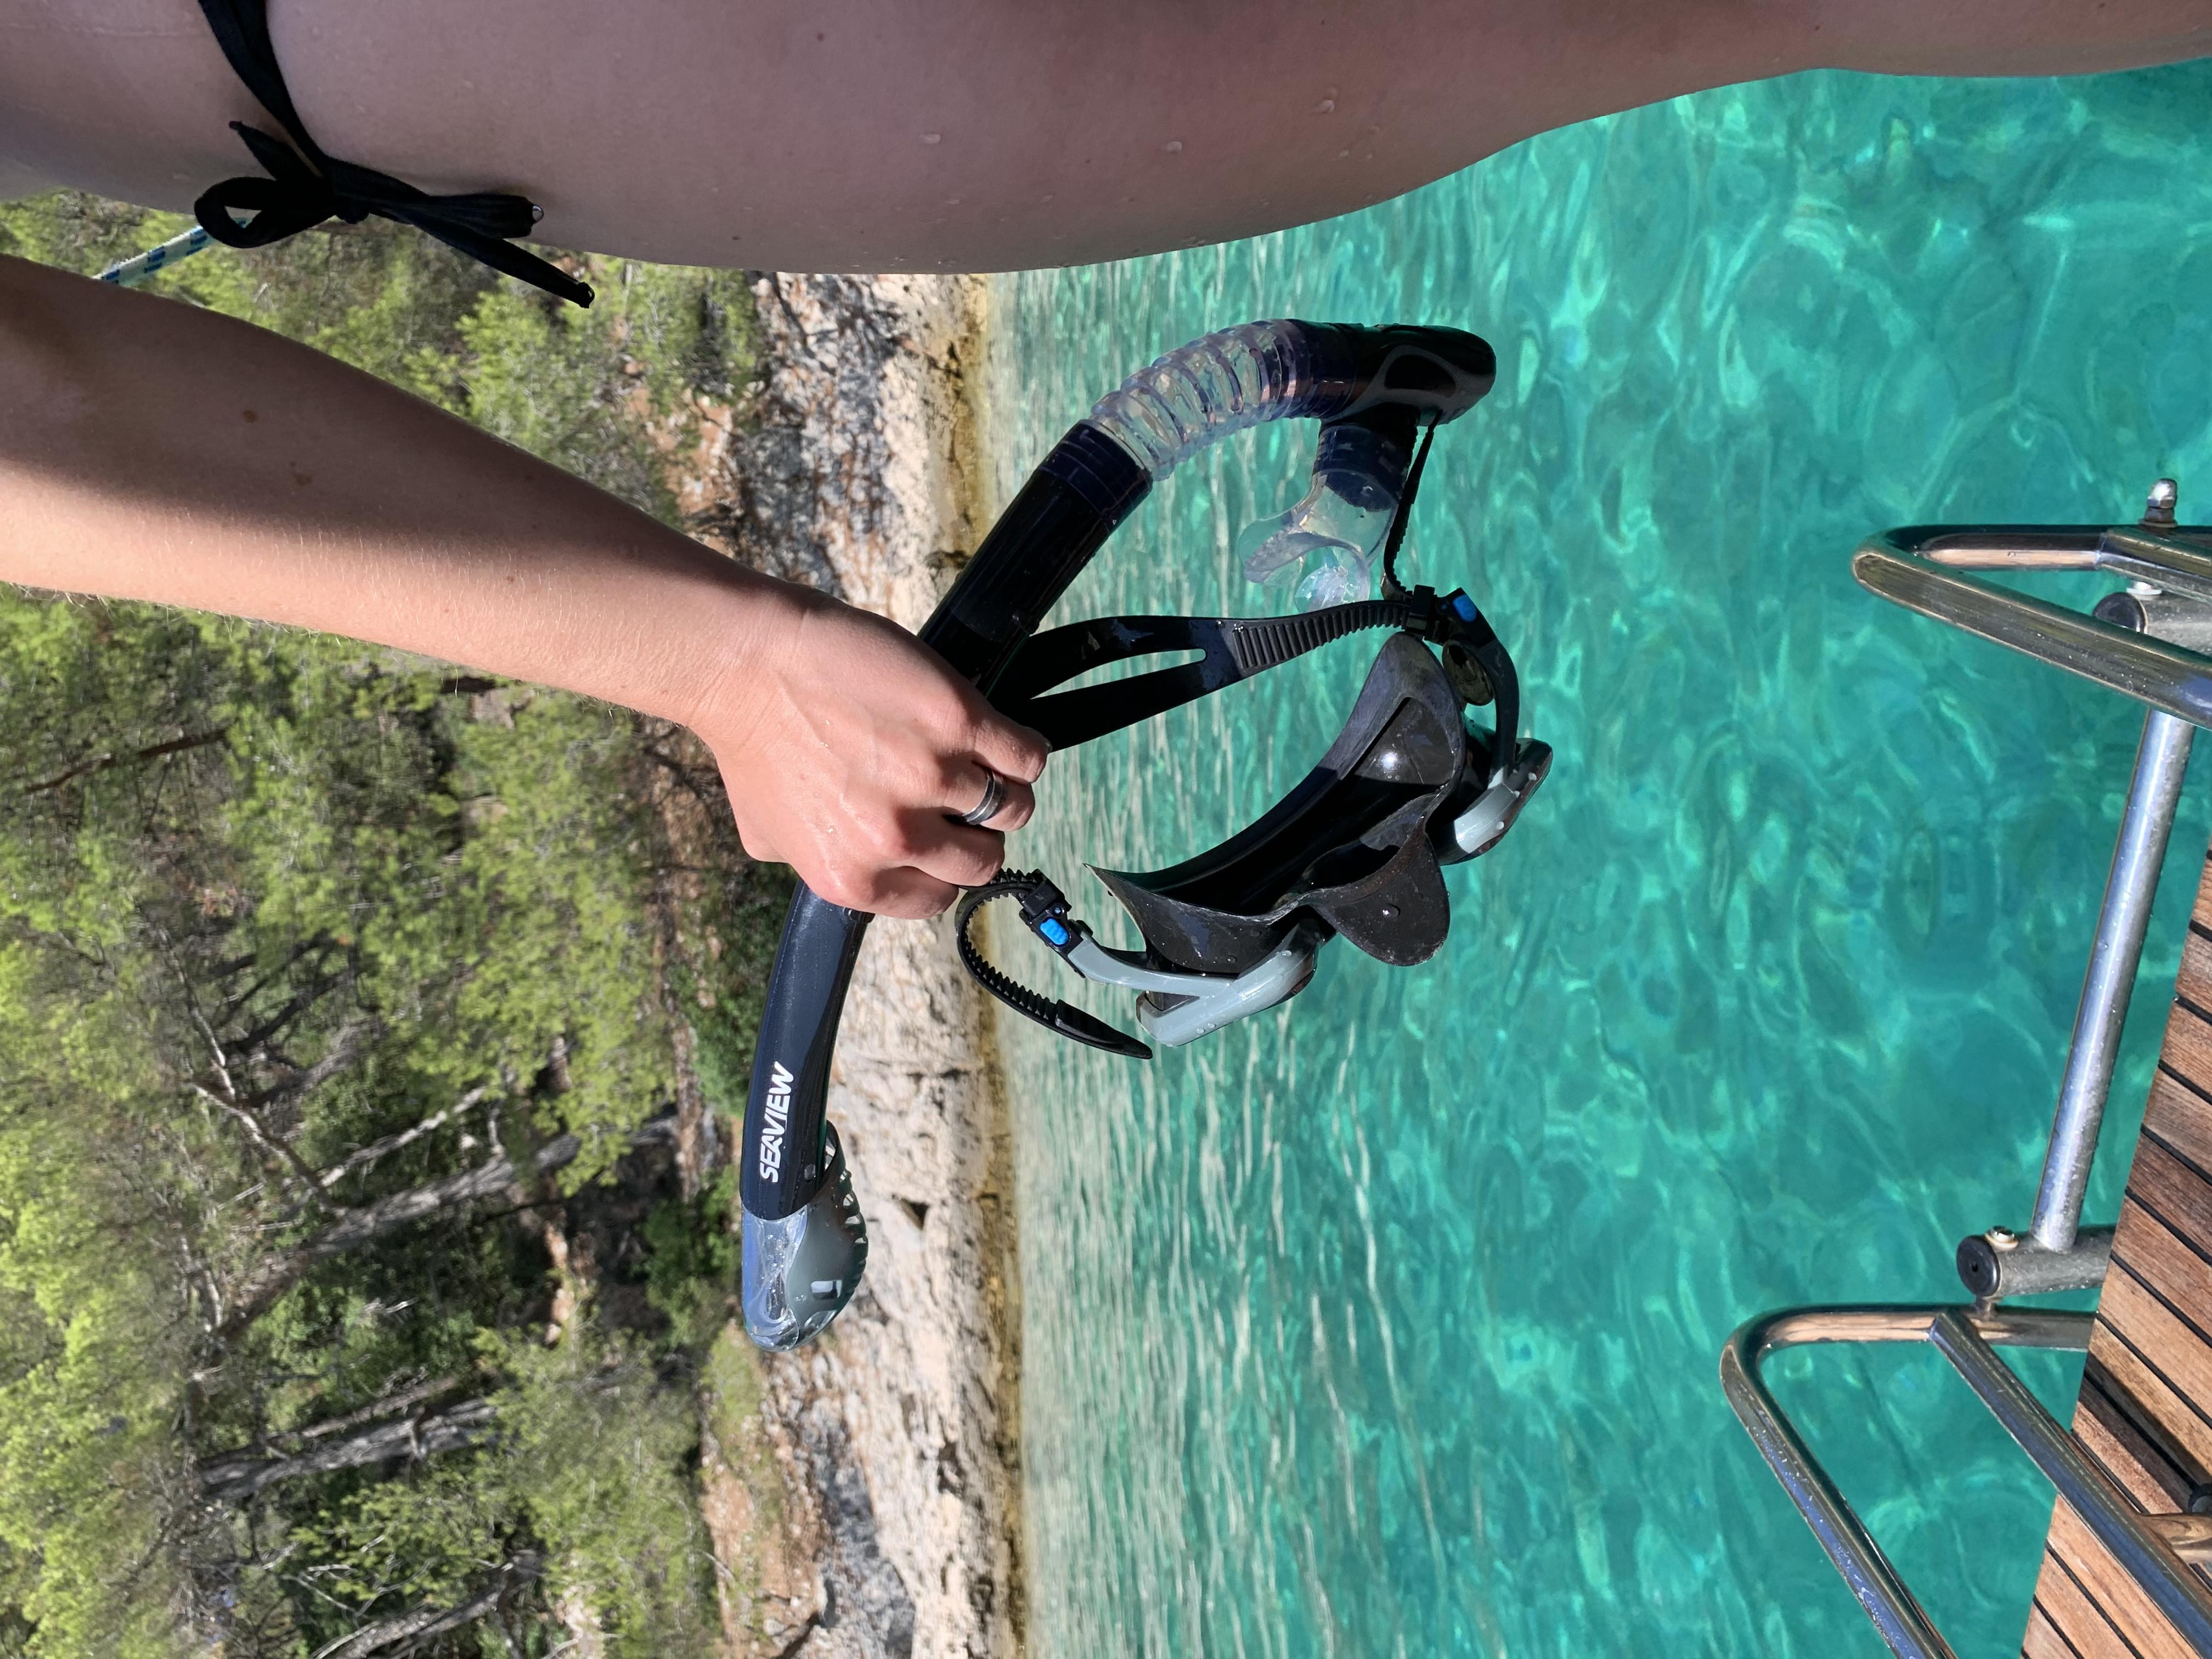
1356	850
1324	549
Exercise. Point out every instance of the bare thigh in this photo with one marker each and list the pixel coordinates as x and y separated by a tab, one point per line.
969	134
978	134
126	97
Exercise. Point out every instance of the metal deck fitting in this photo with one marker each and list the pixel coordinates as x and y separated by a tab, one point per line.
2125	1568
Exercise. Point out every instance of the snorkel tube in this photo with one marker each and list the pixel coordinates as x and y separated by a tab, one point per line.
805	1241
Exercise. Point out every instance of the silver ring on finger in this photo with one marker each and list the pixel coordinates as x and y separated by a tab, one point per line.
994	797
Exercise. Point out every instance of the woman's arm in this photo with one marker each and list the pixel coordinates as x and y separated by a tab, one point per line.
150	450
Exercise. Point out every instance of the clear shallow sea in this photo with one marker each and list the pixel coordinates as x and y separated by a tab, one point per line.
1386	1324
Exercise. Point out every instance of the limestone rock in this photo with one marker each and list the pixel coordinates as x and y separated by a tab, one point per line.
899	1433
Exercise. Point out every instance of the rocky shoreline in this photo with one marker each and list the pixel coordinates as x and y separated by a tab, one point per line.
869	1503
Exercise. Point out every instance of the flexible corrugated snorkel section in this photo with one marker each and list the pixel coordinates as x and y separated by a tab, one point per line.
1222	383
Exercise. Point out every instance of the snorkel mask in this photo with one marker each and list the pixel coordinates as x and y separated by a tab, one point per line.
1356	848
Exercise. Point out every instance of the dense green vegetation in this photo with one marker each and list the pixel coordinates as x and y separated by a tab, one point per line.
352	1291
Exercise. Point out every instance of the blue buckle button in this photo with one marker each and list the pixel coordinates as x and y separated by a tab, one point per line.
1053	930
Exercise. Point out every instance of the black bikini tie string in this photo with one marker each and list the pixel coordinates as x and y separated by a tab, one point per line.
306	186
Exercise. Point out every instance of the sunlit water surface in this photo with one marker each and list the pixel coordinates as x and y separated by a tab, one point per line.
1386	1324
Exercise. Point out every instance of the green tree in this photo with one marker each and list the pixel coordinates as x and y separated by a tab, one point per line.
337	997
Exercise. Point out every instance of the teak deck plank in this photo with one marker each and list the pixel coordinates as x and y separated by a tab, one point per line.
2160	1476
2188	1051
2171	1190
2176	1115
2044	1641
2136	1623
2144	1413
2167	1343
2071	1617
2195	962
2161	1255
2201	912
2151	1398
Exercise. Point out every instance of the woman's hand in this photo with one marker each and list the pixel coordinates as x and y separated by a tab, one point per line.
848	746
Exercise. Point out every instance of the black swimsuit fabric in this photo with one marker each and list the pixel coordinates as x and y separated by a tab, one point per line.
306	186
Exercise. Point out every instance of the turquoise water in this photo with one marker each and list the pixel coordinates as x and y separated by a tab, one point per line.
1386	1324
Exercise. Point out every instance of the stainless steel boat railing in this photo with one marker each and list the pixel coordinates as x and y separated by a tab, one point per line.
2151	643
2152	1549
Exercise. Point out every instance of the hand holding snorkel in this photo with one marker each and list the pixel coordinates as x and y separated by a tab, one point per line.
1356	849
850	753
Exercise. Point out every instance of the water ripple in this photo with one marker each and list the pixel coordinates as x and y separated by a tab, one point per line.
1386	1323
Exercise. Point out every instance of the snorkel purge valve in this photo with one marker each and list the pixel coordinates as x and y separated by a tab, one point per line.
1356	849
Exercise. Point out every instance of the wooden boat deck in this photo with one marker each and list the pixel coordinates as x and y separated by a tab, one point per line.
2145	1409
